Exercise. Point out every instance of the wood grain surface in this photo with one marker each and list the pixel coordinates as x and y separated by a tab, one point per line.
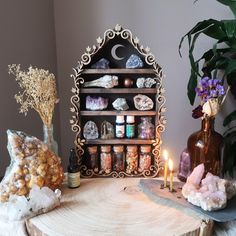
115	207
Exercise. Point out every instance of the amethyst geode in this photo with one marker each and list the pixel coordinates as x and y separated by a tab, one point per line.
96	103
184	166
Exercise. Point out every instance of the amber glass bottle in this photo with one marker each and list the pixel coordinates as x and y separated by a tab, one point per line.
205	146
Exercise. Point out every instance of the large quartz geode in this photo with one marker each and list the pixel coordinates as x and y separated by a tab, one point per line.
210	193
143	102
32	163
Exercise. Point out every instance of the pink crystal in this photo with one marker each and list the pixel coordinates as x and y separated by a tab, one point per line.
209	193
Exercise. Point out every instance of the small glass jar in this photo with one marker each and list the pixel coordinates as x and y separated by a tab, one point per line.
130	127
105	157
145	157
93	157
132	159
120	127
146	129
118	158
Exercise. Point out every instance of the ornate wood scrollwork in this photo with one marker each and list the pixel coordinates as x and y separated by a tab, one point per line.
160	120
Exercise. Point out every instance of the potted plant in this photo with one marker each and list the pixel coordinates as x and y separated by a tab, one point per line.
221	57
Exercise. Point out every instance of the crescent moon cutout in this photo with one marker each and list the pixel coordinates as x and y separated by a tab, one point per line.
113	52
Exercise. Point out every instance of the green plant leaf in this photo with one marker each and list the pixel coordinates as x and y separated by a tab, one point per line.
229	154
229	132
229	118
231	4
229	27
210	27
223	31
214	59
215	31
231	66
203	27
192	84
231	79
194	65
229	158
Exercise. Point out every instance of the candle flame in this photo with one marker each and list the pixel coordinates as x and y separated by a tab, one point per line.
170	165
165	154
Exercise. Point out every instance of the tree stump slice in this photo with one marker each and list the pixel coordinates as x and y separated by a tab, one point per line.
104	207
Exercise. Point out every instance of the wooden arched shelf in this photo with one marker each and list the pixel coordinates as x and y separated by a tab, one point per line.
83	72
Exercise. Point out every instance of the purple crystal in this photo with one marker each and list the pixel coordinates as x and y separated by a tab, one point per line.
103	63
96	103
184	166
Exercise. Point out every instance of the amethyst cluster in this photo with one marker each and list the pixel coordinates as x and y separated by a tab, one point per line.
96	103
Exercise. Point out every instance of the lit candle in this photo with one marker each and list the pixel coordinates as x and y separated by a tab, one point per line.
171	174
165	154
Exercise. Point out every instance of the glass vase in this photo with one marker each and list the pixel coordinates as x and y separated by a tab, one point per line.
204	146
49	139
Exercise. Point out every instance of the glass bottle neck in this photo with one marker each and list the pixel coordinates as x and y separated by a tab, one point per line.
208	124
48	131
146	119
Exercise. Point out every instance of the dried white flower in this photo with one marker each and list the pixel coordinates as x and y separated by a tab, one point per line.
38	91
211	107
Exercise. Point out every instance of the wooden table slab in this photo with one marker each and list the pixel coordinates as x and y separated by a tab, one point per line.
104	207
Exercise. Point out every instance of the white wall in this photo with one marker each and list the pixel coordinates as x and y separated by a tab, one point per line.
28	38
159	25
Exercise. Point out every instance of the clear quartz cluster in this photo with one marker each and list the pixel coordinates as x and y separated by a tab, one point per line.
40	200
210	193
145	82
120	104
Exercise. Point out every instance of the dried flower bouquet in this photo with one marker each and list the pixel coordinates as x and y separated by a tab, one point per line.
38	91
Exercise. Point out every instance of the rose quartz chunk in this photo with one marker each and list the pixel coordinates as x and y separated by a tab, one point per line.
209	193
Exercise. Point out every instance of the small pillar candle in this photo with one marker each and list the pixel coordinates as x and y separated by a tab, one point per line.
165	154
171	174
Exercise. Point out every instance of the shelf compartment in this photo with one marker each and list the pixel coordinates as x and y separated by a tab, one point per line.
118	71
119	141
118	90
117	113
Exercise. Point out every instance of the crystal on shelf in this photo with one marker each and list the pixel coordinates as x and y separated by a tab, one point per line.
103	63
106	81
134	61
90	130
120	104
143	102
145	82
107	130
96	103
